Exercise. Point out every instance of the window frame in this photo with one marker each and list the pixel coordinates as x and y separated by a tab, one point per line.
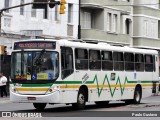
149	63
64	55
70	13
95	62
118	61
139	63
81	59
129	62
108	61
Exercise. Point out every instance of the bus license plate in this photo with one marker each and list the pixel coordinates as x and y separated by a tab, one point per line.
31	98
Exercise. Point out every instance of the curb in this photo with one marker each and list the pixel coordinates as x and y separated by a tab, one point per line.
144	105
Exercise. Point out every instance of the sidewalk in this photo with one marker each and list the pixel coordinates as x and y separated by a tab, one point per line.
4	100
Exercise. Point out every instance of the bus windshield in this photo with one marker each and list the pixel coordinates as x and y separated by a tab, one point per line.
35	65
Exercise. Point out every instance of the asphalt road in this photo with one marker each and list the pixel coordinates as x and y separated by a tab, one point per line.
115	109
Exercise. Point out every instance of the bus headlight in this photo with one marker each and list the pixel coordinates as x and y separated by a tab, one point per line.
12	88
53	89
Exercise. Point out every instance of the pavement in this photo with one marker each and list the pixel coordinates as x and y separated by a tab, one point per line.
4	100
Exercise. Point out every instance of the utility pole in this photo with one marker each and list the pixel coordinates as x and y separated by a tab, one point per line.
79	21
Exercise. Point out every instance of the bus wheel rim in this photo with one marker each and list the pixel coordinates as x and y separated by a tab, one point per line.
137	96
81	98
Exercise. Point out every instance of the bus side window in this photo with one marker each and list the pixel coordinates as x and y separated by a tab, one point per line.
139	62
118	61
81	59
94	60
154	62
66	61
148	63
107	60
129	61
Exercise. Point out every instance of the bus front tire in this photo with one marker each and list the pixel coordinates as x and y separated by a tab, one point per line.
137	97
39	106
81	100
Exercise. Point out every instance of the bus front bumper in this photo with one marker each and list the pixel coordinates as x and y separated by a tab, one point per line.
49	98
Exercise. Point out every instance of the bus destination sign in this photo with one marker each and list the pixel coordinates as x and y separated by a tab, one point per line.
34	45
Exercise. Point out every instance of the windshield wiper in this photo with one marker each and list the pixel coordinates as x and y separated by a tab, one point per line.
38	59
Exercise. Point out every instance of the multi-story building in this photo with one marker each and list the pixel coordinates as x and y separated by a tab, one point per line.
107	20
25	22
146	22
128	22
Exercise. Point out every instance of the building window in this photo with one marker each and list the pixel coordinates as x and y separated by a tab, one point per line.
6	5
127	22
87	20
145	28
153	29
158	28
112	20
45	13
56	13
70	13
22	8
114	23
109	19
33	13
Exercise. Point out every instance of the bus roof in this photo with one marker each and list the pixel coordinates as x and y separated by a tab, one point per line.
98	46
105	46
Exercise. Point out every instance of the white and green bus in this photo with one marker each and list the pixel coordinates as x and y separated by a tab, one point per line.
74	72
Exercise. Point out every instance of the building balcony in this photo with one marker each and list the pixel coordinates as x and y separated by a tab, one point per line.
119	4
94	34
144	42
144	10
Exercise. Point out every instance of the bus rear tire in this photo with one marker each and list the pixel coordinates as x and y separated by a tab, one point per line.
81	100
137	97
39	106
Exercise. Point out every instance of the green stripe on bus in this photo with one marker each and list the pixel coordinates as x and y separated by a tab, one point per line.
146	81
37	85
68	82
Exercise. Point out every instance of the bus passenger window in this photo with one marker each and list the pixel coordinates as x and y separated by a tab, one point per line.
139	62
81	59
94	60
148	63
107	61
129	61
154	63
118	61
66	61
